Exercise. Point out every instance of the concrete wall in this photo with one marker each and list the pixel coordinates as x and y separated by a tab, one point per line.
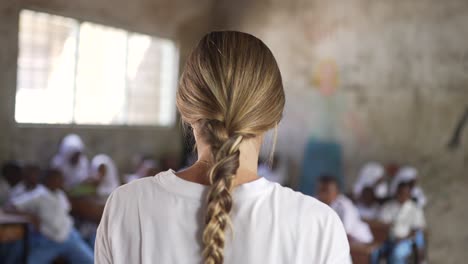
402	86
182	20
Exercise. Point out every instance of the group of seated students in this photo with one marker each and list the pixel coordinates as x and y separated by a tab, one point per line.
42	197
389	196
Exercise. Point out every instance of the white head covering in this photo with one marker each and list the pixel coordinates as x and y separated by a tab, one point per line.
71	144
405	174
368	176
111	179
73	175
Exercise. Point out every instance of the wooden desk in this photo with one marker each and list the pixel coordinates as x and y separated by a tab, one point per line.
361	253
89	208
379	230
14	228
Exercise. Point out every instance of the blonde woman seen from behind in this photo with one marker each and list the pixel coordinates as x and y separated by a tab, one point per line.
219	210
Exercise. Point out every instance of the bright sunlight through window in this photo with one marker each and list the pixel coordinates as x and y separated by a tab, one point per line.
75	72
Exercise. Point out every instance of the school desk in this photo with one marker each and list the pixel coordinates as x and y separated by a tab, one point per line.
89	208
14	228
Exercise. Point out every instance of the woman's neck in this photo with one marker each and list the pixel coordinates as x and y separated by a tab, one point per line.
248	164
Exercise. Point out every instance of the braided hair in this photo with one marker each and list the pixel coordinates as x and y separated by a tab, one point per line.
231	88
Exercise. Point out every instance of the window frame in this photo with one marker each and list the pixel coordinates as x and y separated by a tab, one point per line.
73	124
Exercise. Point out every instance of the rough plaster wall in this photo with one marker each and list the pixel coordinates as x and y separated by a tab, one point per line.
403	85
180	20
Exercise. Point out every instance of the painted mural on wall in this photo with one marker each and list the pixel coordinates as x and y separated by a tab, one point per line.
323	152
325	80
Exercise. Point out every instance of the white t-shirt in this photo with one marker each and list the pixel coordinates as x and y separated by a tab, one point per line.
50	207
4	191
368	212
354	226
17	190
403	217
158	220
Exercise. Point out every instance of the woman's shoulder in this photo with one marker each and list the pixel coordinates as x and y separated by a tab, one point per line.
315	224
135	190
136	185
141	184
289	195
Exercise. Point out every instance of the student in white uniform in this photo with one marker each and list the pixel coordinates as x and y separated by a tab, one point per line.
71	161
106	174
407	224
410	175
382	191
11	176
219	210
56	235
370	177
31	174
329	193
367	205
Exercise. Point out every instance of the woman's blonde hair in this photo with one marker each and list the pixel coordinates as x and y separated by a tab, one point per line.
231	89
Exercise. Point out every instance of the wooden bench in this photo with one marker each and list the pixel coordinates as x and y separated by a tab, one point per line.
89	208
14	228
379	230
361	253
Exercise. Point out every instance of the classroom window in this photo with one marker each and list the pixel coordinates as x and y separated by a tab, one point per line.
77	72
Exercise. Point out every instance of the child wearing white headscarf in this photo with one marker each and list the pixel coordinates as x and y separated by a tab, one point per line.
103	167
409	175
369	175
54	234
364	190
71	161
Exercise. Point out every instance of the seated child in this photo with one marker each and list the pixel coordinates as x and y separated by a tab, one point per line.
410	175
367	204
11	176
329	194
30	181
103	168
407	224
383	192
56	235
369	181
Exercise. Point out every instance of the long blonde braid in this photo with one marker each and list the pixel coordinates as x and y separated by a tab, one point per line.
231	89
219	199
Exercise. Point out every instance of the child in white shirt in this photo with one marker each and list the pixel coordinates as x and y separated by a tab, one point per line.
410	175
407	224
30	175
365	189
11	175
56	236
104	170
367	205
356	229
